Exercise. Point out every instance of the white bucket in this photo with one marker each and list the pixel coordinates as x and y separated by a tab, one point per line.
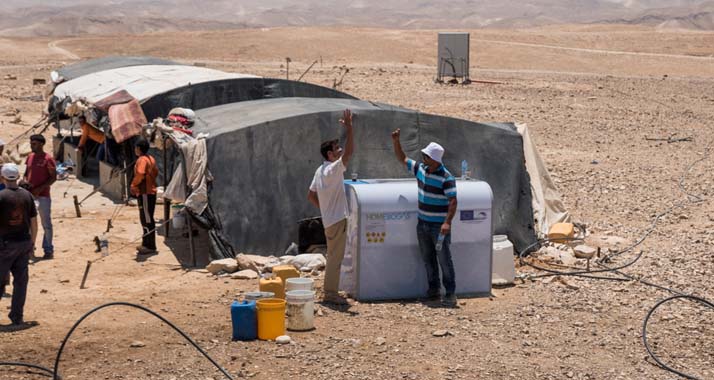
300	309
299	283
504	271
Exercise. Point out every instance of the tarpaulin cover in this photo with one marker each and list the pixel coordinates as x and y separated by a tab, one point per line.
263	155
91	66
215	93
548	207
142	82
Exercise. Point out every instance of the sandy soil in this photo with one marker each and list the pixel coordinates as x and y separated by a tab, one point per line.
591	100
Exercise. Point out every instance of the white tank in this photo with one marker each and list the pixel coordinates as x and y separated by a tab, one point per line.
504	271
382	259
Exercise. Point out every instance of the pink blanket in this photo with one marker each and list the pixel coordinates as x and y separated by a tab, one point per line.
126	120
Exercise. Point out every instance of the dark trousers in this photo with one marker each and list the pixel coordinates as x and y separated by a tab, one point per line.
427	234
14	258
147	205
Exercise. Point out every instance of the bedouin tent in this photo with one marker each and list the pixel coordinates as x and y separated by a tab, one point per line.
262	156
161	85
82	68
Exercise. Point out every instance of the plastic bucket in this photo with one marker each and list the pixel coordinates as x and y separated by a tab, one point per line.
271	318
300	309
254	296
299	283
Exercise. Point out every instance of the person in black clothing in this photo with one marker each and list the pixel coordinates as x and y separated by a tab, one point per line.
18	232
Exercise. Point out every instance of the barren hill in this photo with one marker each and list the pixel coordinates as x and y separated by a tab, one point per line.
78	17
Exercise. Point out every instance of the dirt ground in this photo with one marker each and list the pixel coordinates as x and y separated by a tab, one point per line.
590	95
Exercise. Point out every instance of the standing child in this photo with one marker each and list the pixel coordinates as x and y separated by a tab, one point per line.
144	188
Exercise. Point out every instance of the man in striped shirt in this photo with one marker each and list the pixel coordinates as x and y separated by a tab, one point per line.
437	206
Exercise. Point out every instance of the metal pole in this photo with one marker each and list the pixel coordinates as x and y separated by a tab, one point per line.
167	203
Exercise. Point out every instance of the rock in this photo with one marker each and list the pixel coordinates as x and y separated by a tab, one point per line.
287	259
137	344
10	77
245	274
613	240
441	333
308	262
245	263
567	258
380	341
225	265
561	256
283	339
584	251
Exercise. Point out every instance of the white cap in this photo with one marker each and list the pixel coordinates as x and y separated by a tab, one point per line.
10	172
434	151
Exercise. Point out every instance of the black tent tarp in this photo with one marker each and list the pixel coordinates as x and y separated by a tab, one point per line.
215	93
263	154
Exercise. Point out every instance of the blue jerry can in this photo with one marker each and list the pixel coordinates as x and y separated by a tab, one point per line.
245	322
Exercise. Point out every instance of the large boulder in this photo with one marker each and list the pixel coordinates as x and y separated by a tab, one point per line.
308	262
223	265
246	274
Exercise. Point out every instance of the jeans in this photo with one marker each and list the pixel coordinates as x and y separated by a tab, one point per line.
427	234
14	258
147	205
44	208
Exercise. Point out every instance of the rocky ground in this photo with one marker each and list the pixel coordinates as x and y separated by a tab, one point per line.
590	112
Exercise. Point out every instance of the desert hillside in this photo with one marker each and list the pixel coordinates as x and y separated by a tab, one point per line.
81	17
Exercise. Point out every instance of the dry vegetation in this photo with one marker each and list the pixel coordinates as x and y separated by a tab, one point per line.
589	112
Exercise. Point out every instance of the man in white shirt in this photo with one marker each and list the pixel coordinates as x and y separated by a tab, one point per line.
327	192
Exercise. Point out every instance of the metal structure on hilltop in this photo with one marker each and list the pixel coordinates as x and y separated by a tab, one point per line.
453	57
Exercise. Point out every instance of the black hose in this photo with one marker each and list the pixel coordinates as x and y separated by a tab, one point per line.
644	331
55	373
45	371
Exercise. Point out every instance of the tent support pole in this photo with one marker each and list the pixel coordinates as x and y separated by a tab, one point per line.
167	202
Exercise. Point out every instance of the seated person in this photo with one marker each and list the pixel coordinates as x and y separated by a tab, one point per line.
94	134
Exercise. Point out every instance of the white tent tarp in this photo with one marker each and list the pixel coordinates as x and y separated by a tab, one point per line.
142	82
548	207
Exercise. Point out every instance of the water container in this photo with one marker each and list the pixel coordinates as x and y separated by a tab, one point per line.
178	222
298	283
254	296
300	309
504	270
271	318
274	285
285	272
245	322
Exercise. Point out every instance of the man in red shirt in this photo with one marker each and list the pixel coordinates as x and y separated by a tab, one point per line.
41	174
144	188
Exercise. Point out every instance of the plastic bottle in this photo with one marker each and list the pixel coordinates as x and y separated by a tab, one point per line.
464	169
439	243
